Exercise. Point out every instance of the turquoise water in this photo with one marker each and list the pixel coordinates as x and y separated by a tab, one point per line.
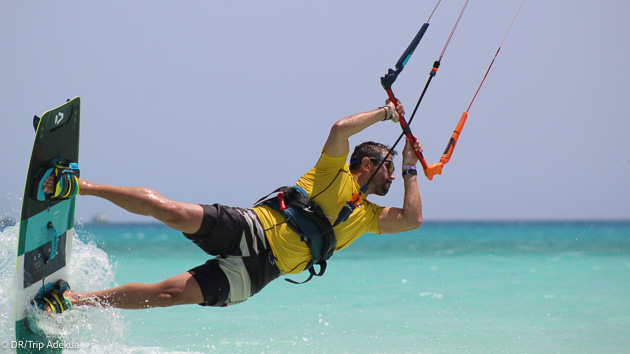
447	287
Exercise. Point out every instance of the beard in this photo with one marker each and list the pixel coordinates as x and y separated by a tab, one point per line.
383	187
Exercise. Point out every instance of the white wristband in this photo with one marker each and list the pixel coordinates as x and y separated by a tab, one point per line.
388	112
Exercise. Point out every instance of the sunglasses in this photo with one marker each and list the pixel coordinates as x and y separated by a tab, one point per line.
388	163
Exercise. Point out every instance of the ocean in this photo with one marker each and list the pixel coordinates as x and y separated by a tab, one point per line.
471	287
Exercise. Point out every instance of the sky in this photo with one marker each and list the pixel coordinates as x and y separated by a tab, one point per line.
222	102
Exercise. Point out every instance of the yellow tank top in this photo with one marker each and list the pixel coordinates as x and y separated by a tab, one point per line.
330	185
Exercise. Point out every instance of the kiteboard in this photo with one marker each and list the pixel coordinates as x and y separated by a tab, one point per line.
46	226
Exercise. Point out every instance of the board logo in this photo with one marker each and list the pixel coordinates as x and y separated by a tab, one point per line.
59	118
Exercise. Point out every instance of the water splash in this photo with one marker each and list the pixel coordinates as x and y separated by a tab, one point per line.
88	329
8	248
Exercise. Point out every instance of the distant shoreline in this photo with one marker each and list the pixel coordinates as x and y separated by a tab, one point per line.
10	221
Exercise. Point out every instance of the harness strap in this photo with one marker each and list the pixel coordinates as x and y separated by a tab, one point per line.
305	218
322	269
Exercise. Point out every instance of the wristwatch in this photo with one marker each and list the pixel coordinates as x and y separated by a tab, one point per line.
409	170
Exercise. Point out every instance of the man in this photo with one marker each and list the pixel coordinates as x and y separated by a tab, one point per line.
255	246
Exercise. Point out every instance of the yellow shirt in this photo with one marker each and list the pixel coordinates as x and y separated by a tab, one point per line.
330	185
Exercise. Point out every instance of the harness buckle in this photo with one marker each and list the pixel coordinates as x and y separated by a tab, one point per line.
281	202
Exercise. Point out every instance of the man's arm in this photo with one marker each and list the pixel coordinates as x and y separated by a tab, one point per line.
394	220
337	143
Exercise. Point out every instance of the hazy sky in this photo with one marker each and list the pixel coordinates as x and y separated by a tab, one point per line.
209	101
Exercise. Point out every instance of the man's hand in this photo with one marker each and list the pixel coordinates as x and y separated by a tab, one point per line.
395	109
409	156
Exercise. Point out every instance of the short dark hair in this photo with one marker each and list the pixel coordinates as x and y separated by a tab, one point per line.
369	149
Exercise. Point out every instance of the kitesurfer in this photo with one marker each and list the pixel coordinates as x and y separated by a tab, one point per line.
254	246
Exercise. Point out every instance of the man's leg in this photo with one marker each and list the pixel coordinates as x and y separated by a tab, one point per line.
178	290
182	217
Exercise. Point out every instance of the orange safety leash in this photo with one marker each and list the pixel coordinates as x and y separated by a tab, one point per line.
436	168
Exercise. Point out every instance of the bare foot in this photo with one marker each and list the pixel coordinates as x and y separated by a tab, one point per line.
71	295
49	185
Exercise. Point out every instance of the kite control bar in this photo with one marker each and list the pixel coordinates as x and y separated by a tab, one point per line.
388	80
436	168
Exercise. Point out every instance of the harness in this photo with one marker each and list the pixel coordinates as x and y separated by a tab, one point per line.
306	219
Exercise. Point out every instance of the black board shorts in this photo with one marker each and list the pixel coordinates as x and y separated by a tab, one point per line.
244	263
